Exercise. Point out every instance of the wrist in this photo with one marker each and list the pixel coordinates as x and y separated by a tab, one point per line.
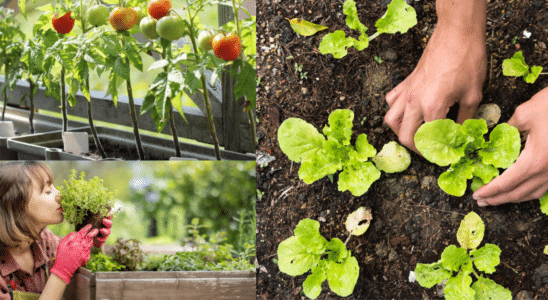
465	17
63	274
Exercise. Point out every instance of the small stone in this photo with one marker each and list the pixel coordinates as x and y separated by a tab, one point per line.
389	54
542	45
524	295
393	255
540	276
441	287
304	91
490	113
522	226
342	98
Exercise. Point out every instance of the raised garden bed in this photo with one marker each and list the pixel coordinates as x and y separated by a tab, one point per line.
191	285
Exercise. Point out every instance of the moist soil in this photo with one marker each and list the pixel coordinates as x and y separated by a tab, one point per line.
413	219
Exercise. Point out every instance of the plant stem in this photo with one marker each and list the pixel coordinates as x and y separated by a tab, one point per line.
90	115
167	53
63	100
372	37
206	96
253	127
132	110
31	98
348	238
6	80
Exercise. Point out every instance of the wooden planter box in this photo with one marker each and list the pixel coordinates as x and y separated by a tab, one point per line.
192	285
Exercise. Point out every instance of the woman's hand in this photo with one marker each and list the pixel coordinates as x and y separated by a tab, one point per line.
527	178
98	241
73	252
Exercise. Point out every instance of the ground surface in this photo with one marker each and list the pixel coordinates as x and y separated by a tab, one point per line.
413	219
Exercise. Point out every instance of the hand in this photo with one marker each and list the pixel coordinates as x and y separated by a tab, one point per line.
98	241
451	69
73	252
527	178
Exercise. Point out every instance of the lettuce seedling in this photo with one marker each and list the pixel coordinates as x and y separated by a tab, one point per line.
301	142
462	260
399	17
516	66
309	250
445	142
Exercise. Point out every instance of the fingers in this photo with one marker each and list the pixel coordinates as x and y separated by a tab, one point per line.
412	120
107	222
394	116
468	107
397	91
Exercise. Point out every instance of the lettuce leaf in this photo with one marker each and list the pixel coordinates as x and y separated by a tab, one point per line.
428	275
487	258
441	141
487	289
299	140
342	277
471	231
503	147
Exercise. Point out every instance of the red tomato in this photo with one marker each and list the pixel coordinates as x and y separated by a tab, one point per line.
227	46
63	24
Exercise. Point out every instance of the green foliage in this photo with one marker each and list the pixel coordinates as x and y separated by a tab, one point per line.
80	197
101	262
309	250
516	66
399	17
304	27
458	259
301	142
128	254
445	142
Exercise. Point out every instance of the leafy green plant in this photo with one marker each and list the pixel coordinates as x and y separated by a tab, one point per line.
462	260
85	202
301	142
399	17
128	254
100	262
299	69
309	250
516	67
445	142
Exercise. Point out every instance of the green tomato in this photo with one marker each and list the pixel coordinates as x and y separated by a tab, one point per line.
148	28
97	15
170	28
204	40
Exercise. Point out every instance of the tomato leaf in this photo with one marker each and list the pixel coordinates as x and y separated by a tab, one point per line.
305	28
246	85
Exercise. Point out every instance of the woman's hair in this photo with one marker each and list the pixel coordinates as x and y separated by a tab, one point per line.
16	182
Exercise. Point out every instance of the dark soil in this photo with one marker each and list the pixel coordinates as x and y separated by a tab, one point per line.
96	221
413	219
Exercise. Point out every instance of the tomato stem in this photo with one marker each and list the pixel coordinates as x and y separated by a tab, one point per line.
6	86
167	54
63	100
31	98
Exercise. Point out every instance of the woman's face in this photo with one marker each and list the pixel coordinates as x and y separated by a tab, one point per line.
44	206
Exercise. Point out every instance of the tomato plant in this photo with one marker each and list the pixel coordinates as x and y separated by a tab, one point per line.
123	18
159	8
148	28
227	46
170	28
97	15
204	40
63	24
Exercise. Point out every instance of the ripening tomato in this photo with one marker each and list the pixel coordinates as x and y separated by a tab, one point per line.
227	46
148	28
170	28
159	8
123	18
97	15
204	40
63	24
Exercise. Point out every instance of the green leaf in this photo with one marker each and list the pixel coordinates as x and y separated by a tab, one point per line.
399	17
458	288
121	68
364	150
454	180
358	178
343	277
428	275
335	43
353	21
312	286
476	183
148	102
471	231
299	140
393	158
453	257
546	250
294	259
308	233
305	28
503	147
158	64
486	258
515	66
337	250
325	162
487	289
132	53
440	141
532	77
246	84
544	203
340	126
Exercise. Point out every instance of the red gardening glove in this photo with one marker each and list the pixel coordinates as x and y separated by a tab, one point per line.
73	252
100	239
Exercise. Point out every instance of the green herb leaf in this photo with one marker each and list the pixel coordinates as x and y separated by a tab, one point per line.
343	277
308	233
428	275
312	286
305	28
392	158
399	17
453	257
484	172
353	21
337	250
440	141
454	180
458	288
471	231
294	259
299	140
358	178
503	147
487	258
326	161
515	66
487	289
535	72
340	126
335	43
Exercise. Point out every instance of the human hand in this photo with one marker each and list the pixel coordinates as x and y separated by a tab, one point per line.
451	69
527	178
100	239
73	252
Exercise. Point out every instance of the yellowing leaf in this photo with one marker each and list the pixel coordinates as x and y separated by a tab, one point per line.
471	231
354	219
305	28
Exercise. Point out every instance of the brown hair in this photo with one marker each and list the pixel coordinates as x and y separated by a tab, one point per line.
16	182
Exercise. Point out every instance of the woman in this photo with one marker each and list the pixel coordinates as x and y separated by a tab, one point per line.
34	263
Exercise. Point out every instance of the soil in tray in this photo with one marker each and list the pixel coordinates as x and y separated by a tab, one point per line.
413	219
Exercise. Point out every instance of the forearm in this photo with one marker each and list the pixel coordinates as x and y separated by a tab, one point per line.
465	16
55	287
